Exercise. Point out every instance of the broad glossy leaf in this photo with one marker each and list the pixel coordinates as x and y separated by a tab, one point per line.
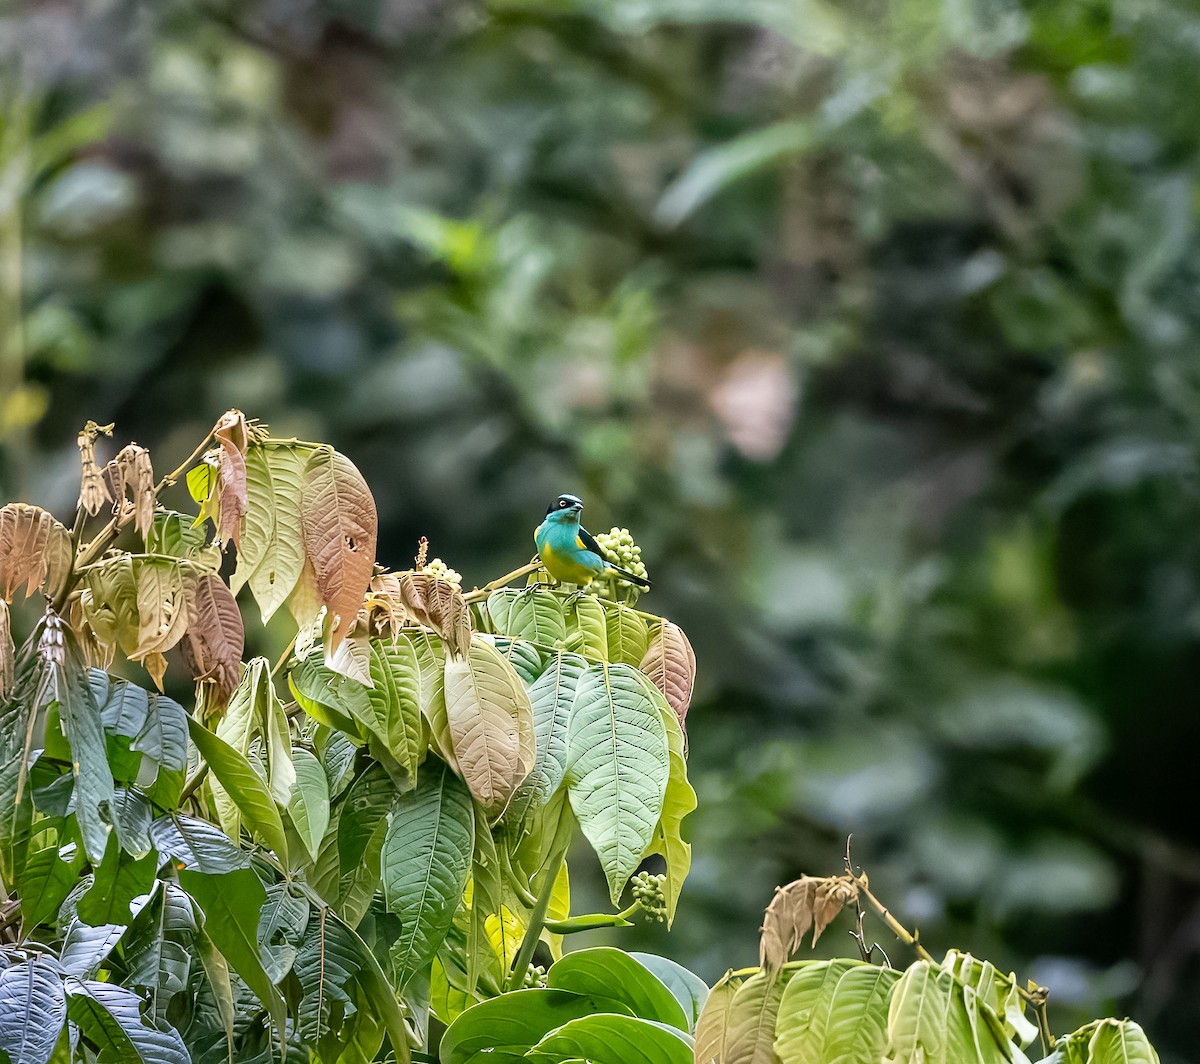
834	1010
1107	1042
426	858
281	927
491	931
271	551
158	952
46	879
678	802
33	1010
94	790
606	1038
551	697
618	765
628	636
590	628
196	845
491	724
133	814
607	972
163	737
528	613
395	701
309	806
523	656
514	1023
331	699
997	990
340	525
119	880
110	1016
689	989
245	786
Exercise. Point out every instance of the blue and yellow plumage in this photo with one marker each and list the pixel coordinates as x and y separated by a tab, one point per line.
569	552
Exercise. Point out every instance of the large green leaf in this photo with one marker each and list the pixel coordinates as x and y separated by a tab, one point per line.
46	879
514	1023
110	1016
281	927
196	845
609	972
935	1019
589	635
133	813
158	952
606	1038
330	698
94	789
491	724
689	989
243	785
309	805
326	964
834	1010
1104	1042
528	613
426	859
628	635
551	697
750	1022
678	801
271	547
232	904
618	765
33	1010
712	1027
998	990
119	879
395	701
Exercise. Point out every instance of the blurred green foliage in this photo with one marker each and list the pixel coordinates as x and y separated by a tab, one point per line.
875	320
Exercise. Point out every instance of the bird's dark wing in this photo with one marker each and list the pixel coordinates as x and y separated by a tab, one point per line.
589	541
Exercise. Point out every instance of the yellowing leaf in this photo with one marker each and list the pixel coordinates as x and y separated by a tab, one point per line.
35	550
271	548
713	1025
750	1023
491	724
340	526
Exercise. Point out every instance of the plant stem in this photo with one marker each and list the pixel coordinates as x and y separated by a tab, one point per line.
537	919
193	783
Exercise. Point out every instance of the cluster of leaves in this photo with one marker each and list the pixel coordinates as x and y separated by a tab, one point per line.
330	872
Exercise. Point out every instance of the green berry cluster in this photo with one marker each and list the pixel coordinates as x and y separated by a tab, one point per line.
648	891
535	976
439	569
618	544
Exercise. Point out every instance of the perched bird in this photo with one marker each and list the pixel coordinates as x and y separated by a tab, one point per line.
570	553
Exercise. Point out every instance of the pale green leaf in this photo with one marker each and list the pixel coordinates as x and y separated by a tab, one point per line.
836	1011
309	805
628	636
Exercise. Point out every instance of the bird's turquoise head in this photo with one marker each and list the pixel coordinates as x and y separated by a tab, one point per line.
565	510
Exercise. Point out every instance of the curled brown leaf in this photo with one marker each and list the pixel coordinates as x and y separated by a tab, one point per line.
93	490
398	599
233	435
137	478
810	902
215	638
35	551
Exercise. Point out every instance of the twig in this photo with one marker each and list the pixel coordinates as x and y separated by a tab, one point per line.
537	919
507	578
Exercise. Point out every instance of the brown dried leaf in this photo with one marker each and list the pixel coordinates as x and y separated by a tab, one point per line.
137	477
439	605
7	651
93	491
232	434
215	637
35	550
670	663
340	526
809	902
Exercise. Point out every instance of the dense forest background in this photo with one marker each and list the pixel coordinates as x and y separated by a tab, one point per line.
875	321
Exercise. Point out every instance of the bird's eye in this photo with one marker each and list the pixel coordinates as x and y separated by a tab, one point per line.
564	503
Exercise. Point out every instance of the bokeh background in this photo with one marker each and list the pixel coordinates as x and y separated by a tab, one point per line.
876	321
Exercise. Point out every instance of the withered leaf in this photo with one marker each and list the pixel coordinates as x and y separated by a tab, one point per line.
439	605
670	663
137	477
35	551
93	491
809	902
215	637
7	651
340	527
231	433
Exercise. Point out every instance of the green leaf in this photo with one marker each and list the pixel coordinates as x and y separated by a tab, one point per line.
110	1016
515	1022
158	952
523	656
590	628
271	547
1105	1042
628	636
750	1020
245	786
119	879
281	928
326	965
381	996
426	858
395	702
678	801
613	1039
180	536
491	724
528	613
309	806
368	801
492	953
998	990
604	971
618	765
834	1010
94	790
232	904
196	845
33	1010
712	1027
934	1019
133	814
46	879
689	989
201	480
163	737
329	698
551	696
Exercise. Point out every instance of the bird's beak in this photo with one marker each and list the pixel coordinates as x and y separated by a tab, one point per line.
577	507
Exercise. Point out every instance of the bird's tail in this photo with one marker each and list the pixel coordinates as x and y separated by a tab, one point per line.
625	574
